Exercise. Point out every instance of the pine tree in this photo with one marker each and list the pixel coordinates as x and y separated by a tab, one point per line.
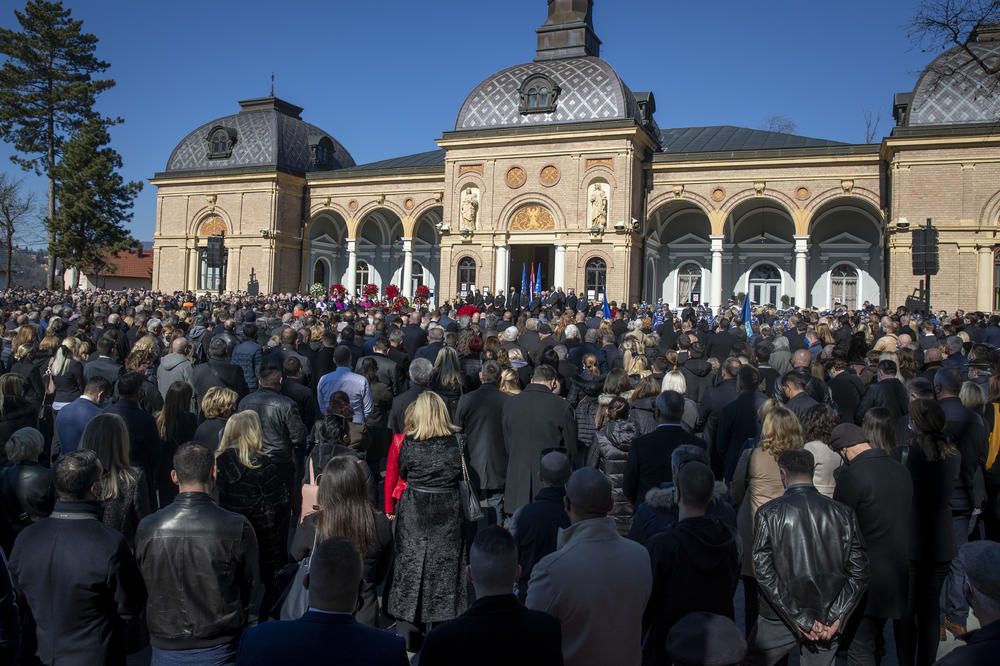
47	91
94	201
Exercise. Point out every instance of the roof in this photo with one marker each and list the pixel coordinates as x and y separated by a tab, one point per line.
130	264
954	89
727	138
268	132
590	89
429	158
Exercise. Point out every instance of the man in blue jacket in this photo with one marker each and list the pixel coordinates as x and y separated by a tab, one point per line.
75	416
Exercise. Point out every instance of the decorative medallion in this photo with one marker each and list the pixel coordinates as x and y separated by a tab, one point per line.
601	161
408	204
470	168
549	176
718	194
847	186
516	177
213	226
758	187
678	191
802	193
353	205
532	218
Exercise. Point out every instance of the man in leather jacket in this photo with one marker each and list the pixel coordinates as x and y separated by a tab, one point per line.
810	565
201	562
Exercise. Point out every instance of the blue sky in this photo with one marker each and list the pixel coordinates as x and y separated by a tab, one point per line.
386	78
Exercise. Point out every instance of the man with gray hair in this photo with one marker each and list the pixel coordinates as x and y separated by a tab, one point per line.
596	583
955	359
510	339
535	526
435	343
421	374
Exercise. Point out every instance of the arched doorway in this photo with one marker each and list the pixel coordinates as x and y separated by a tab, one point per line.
679	236
764	284
595	278
845	254
844	286
466	275
688	284
319	273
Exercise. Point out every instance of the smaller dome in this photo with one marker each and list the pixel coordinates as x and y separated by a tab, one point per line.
266	132
589	89
954	89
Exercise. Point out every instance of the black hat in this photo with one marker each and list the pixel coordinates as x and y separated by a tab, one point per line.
846	435
706	639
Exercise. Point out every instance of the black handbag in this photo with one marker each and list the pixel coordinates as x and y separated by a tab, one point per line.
471	508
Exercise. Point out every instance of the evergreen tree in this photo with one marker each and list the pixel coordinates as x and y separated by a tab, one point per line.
94	201
47	91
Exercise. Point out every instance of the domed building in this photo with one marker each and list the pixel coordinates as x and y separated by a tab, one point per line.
556	163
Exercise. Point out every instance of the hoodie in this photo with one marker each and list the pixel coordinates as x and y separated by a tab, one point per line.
698	375
696	566
173	367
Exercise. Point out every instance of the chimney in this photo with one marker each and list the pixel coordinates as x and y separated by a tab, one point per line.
568	32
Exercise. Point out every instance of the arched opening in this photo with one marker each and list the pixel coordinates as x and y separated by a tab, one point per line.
848	233
764	284
319	273
380	246
679	234
327	235
595	278
466	275
761	233
844	286
418	275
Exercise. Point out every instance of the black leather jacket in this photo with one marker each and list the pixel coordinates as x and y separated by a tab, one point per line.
193	547
280	422
808	558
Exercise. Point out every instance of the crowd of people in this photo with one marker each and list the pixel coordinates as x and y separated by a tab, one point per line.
263	479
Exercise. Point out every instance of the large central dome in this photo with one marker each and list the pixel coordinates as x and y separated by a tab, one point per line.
589	89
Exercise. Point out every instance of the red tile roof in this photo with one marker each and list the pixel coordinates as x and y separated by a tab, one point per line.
130	264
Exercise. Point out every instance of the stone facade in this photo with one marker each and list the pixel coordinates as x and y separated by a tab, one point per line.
692	214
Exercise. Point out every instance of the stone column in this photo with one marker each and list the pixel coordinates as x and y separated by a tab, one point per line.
559	272
233	270
407	286
801	270
984	301
715	297
352	266
193	267
501	273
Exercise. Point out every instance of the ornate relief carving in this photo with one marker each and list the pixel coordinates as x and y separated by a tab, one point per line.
211	199
470	168
847	185
802	193
597	198
213	226
678	191
516	177
758	187
718	194
353	205
408	204
549	176
600	161
532	218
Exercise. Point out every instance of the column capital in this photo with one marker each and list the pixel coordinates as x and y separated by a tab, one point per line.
352	244
716	242
501	245
801	243
560	246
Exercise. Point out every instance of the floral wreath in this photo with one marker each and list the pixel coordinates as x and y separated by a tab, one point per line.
338	290
391	292
370	290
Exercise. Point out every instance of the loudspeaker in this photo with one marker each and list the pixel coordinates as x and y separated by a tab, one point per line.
214	255
925	251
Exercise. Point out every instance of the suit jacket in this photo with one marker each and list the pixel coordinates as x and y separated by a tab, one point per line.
712	403
414	338
104	367
880	491
648	463
480	415
737	424
318	638
538	637
71	421
305	398
430	352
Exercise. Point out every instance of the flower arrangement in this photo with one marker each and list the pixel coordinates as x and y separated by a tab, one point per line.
316	289
467	310
338	290
423	293
370	291
400	302
391	292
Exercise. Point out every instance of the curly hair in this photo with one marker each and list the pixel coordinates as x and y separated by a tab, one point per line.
781	431
819	422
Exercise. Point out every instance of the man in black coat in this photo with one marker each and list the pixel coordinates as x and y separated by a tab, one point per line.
293	386
480	415
648	462
880	491
536	526
715	399
421	374
435	343
104	365
414	337
696	564
77	577
323	362
218	371
534	637
886	391
534	421
793	385
389	372
737	423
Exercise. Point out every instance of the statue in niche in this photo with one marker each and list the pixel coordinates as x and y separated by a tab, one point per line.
598	207
469	209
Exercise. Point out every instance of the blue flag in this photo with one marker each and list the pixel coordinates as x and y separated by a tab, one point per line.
607	308
746	315
538	279
524	278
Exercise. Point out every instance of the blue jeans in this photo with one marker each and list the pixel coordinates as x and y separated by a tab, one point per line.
218	655
954	605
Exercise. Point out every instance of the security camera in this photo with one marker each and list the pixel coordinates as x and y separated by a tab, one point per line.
265	233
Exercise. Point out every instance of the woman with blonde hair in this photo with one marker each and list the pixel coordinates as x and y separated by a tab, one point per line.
428	584
125	497
67	374
251	485
345	510
675	381
636	366
758	481
26	335
508	382
218	405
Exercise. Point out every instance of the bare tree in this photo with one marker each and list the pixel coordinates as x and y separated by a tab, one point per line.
872	120
779	123
941	24
15	208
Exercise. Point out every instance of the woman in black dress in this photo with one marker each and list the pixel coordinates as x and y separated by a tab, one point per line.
428	583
